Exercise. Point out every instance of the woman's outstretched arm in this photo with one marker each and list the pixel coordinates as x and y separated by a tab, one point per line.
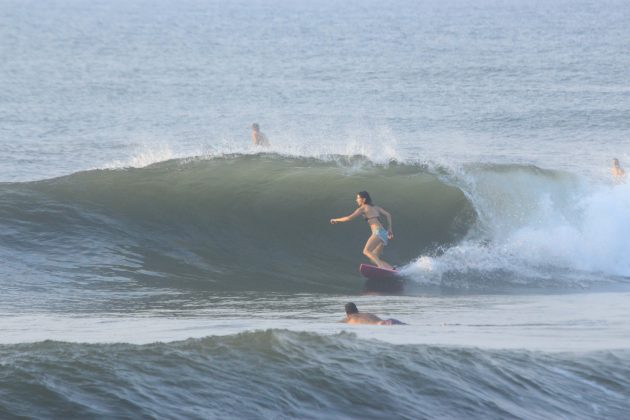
355	214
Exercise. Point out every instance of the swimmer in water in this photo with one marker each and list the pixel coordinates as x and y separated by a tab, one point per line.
617	171
258	138
372	213
354	317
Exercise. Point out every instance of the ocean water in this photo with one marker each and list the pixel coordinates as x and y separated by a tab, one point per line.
155	264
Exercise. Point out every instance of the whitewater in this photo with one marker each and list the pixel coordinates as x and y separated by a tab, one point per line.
153	263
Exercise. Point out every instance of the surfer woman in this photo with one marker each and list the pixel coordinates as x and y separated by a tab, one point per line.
371	213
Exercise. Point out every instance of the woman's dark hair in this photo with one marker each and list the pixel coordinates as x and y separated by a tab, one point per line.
365	195
351	308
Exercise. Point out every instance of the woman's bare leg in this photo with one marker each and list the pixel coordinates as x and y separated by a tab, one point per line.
378	250
372	250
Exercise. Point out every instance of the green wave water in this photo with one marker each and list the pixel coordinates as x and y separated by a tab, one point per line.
232	223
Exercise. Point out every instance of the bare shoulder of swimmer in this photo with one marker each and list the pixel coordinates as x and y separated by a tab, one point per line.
363	318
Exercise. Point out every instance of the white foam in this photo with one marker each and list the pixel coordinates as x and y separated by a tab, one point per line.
535	224
144	155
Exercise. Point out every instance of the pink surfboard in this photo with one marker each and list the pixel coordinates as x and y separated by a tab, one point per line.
373	272
381	281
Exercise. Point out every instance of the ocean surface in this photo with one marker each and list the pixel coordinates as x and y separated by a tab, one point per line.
155	264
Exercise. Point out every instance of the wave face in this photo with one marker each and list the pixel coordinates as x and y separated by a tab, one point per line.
261	223
229	223
305	375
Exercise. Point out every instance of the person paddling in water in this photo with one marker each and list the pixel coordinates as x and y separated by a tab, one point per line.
354	317
371	213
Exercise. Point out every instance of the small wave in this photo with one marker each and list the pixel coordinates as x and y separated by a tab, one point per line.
307	375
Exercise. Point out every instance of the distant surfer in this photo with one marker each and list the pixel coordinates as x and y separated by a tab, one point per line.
371	213
617	171
258	138
354	317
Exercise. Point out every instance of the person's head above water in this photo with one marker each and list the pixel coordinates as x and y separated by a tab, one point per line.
255	127
351	308
615	162
363	197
